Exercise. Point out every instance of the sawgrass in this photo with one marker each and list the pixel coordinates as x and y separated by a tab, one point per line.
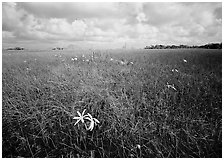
139	116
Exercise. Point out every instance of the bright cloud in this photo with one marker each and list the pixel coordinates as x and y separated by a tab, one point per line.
110	25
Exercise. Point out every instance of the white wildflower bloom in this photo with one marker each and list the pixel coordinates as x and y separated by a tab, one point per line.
81	117
93	121
74	59
185	60
171	86
122	62
111	59
138	146
174	70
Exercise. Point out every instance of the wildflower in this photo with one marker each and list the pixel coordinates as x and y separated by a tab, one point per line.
174	70
74	59
122	62
93	121
81	117
138	146
111	59
24	61
185	60
171	86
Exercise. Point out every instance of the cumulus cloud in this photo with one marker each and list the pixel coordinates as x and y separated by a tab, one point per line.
111	24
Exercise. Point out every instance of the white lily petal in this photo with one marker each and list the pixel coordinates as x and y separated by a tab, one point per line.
96	120
91	126
76	117
79	113
77	122
83	112
90	115
85	116
89	119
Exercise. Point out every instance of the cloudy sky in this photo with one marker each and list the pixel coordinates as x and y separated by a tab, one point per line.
109	25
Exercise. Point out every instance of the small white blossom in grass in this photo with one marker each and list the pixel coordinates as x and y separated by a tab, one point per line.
138	146
74	59
93	121
122	62
81	117
185	60
174	70
171	86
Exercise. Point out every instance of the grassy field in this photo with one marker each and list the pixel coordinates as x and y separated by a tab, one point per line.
140	116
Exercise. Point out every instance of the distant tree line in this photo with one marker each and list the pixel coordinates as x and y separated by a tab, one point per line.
206	46
16	48
57	48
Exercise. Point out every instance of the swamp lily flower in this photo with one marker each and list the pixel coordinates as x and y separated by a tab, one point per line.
174	70
82	118
171	86
138	146
93	121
